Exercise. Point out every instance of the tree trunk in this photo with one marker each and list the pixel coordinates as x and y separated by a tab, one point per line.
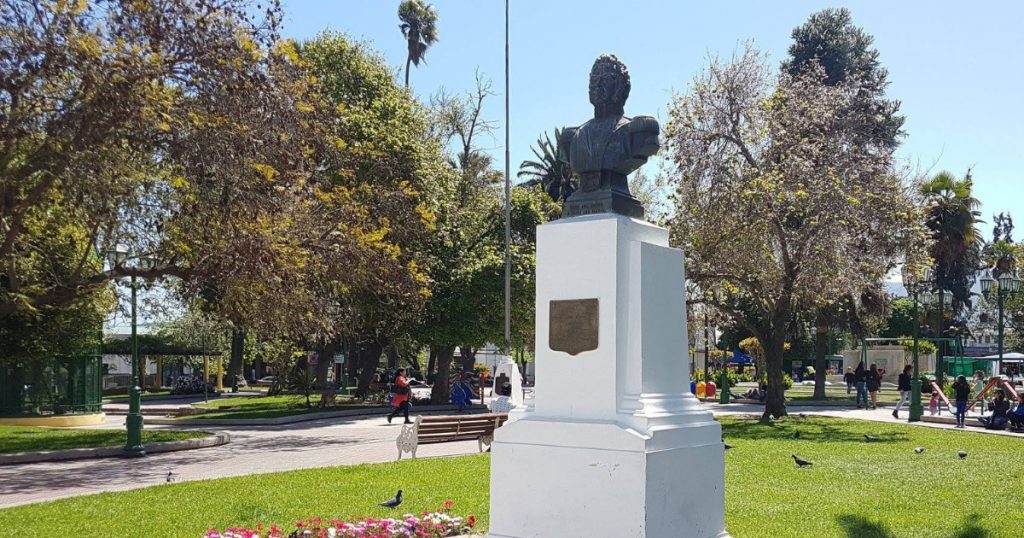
371	359
355	359
431	362
392	356
408	61
237	351
775	403
325	360
414	361
820	350
468	358
441	393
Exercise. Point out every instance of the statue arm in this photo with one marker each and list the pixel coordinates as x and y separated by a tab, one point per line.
564	142
644	137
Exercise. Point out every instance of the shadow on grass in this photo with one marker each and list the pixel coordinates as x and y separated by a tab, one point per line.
862	527
811	429
971	530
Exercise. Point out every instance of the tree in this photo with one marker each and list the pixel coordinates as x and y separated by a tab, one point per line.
955	245
829	40
179	129
775	204
372	269
419	28
548	172
900	321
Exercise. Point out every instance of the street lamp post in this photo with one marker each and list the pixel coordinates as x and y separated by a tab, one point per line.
133	447
1009	283
913	283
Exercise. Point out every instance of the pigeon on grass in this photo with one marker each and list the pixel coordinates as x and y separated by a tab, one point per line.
796	434
393	503
919	450
870	438
801	462
962	454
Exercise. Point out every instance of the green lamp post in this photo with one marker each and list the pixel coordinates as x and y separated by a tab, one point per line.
133	447
914	283
1009	284
723	395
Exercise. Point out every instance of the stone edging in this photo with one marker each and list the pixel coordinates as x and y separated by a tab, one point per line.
291	419
217	439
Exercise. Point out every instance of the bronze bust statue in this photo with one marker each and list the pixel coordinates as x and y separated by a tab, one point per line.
606	149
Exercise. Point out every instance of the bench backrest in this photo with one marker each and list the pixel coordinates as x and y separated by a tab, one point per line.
455	428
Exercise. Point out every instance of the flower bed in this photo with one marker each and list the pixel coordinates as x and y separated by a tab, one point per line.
427	525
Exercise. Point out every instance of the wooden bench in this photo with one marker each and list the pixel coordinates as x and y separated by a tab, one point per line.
447	429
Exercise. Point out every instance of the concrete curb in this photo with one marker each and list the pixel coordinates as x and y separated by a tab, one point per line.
292	419
217	439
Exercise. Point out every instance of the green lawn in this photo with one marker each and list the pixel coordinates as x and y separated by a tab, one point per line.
854	490
34	438
253	407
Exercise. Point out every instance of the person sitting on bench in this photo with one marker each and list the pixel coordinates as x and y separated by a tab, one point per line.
999	407
1016	417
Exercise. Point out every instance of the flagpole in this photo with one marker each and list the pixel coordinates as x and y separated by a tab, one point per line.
508	208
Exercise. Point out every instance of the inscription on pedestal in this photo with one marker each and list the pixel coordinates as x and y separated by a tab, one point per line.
572	326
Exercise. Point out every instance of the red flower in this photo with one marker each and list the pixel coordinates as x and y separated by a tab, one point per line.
448	504
471	520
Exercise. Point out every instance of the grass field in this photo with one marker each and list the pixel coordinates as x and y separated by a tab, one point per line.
34	438
854	489
271	407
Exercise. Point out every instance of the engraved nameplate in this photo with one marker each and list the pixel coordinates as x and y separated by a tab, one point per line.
572	326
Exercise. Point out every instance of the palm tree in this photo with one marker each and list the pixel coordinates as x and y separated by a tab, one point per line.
553	175
419	27
951	215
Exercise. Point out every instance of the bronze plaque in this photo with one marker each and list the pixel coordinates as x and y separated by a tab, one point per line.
572	326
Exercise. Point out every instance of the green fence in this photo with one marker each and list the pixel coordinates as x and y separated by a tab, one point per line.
60	387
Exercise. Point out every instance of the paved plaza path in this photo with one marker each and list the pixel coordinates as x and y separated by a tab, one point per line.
253	450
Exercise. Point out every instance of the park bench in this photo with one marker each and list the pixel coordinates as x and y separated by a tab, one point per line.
447	429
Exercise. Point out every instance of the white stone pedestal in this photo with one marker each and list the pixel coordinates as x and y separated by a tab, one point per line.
614	445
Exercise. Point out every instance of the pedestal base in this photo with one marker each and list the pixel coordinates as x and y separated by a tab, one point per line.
591	479
602	201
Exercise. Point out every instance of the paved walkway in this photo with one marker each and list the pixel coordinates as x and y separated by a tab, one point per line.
254	450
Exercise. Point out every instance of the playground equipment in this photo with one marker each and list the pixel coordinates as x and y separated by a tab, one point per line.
993	382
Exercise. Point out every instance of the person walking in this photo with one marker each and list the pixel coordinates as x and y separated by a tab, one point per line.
904	388
962	390
401	396
860	380
849	379
874	383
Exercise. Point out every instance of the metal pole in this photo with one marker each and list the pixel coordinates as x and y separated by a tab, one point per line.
1000	291
916	410
707	341
508	208
133	446
940	373
723	395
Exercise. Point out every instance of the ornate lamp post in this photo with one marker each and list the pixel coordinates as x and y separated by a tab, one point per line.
914	284
117	257
1009	284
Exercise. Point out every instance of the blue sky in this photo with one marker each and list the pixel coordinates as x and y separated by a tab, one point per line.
957	68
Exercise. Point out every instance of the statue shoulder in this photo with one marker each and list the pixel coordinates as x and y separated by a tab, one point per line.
643	124
564	142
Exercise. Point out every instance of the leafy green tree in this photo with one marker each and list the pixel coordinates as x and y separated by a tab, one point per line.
419	28
371	271
900	321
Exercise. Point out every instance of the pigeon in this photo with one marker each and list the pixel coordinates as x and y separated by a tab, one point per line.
870	438
727	445
392	503
919	450
801	462
803	415
170	477
796	434
962	454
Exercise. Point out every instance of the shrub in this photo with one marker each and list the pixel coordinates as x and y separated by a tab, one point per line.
428	525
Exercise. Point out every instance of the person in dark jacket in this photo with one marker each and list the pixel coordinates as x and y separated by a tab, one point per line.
874	383
962	390
999	407
850	379
1016	417
904	387
860	377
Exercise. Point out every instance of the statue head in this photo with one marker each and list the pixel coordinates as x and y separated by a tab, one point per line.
609	85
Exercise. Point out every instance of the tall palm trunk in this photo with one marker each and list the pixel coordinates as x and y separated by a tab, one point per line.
408	62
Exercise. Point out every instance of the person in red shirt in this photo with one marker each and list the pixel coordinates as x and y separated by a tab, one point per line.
401	397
